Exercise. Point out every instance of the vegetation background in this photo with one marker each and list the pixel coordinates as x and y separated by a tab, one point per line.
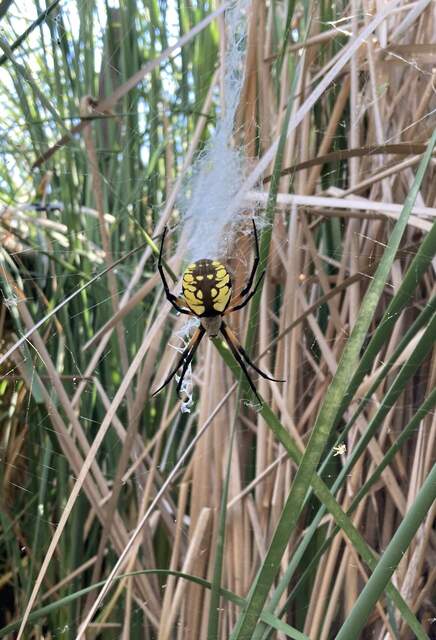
104	110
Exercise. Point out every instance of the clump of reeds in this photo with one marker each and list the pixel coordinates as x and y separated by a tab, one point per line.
313	515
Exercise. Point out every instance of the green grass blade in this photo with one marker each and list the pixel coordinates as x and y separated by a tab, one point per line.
342	520
390	560
68	299
427	406
326	418
27	76
406	372
418	266
40	19
42	495
229	595
325	496
421	321
265	241
407	433
214	608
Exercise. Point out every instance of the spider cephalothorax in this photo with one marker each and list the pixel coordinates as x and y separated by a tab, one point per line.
207	294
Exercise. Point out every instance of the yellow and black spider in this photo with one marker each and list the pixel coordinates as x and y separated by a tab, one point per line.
207	294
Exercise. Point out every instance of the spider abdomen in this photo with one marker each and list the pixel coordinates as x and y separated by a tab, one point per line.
207	288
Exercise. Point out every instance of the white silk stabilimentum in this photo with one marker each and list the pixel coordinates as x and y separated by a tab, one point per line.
208	210
207	206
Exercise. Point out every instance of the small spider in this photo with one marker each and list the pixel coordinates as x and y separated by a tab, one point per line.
340	449
207	294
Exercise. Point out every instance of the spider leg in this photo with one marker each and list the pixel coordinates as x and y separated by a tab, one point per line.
170	296
239	299
186	355
189	357
240	361
250	280
228	333
247	299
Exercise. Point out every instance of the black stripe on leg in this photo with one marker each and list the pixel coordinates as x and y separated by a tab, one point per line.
170	296
189	357
185	354
240	361
245	355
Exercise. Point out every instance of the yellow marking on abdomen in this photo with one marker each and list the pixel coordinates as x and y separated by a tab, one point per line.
220	306
198	309
222	299
223	281
223	293
190	295
189	287
194	302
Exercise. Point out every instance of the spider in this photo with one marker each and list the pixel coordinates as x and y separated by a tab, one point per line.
207	295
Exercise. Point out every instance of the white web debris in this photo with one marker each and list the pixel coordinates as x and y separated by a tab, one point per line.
251	404
186	390
208	207
340	450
